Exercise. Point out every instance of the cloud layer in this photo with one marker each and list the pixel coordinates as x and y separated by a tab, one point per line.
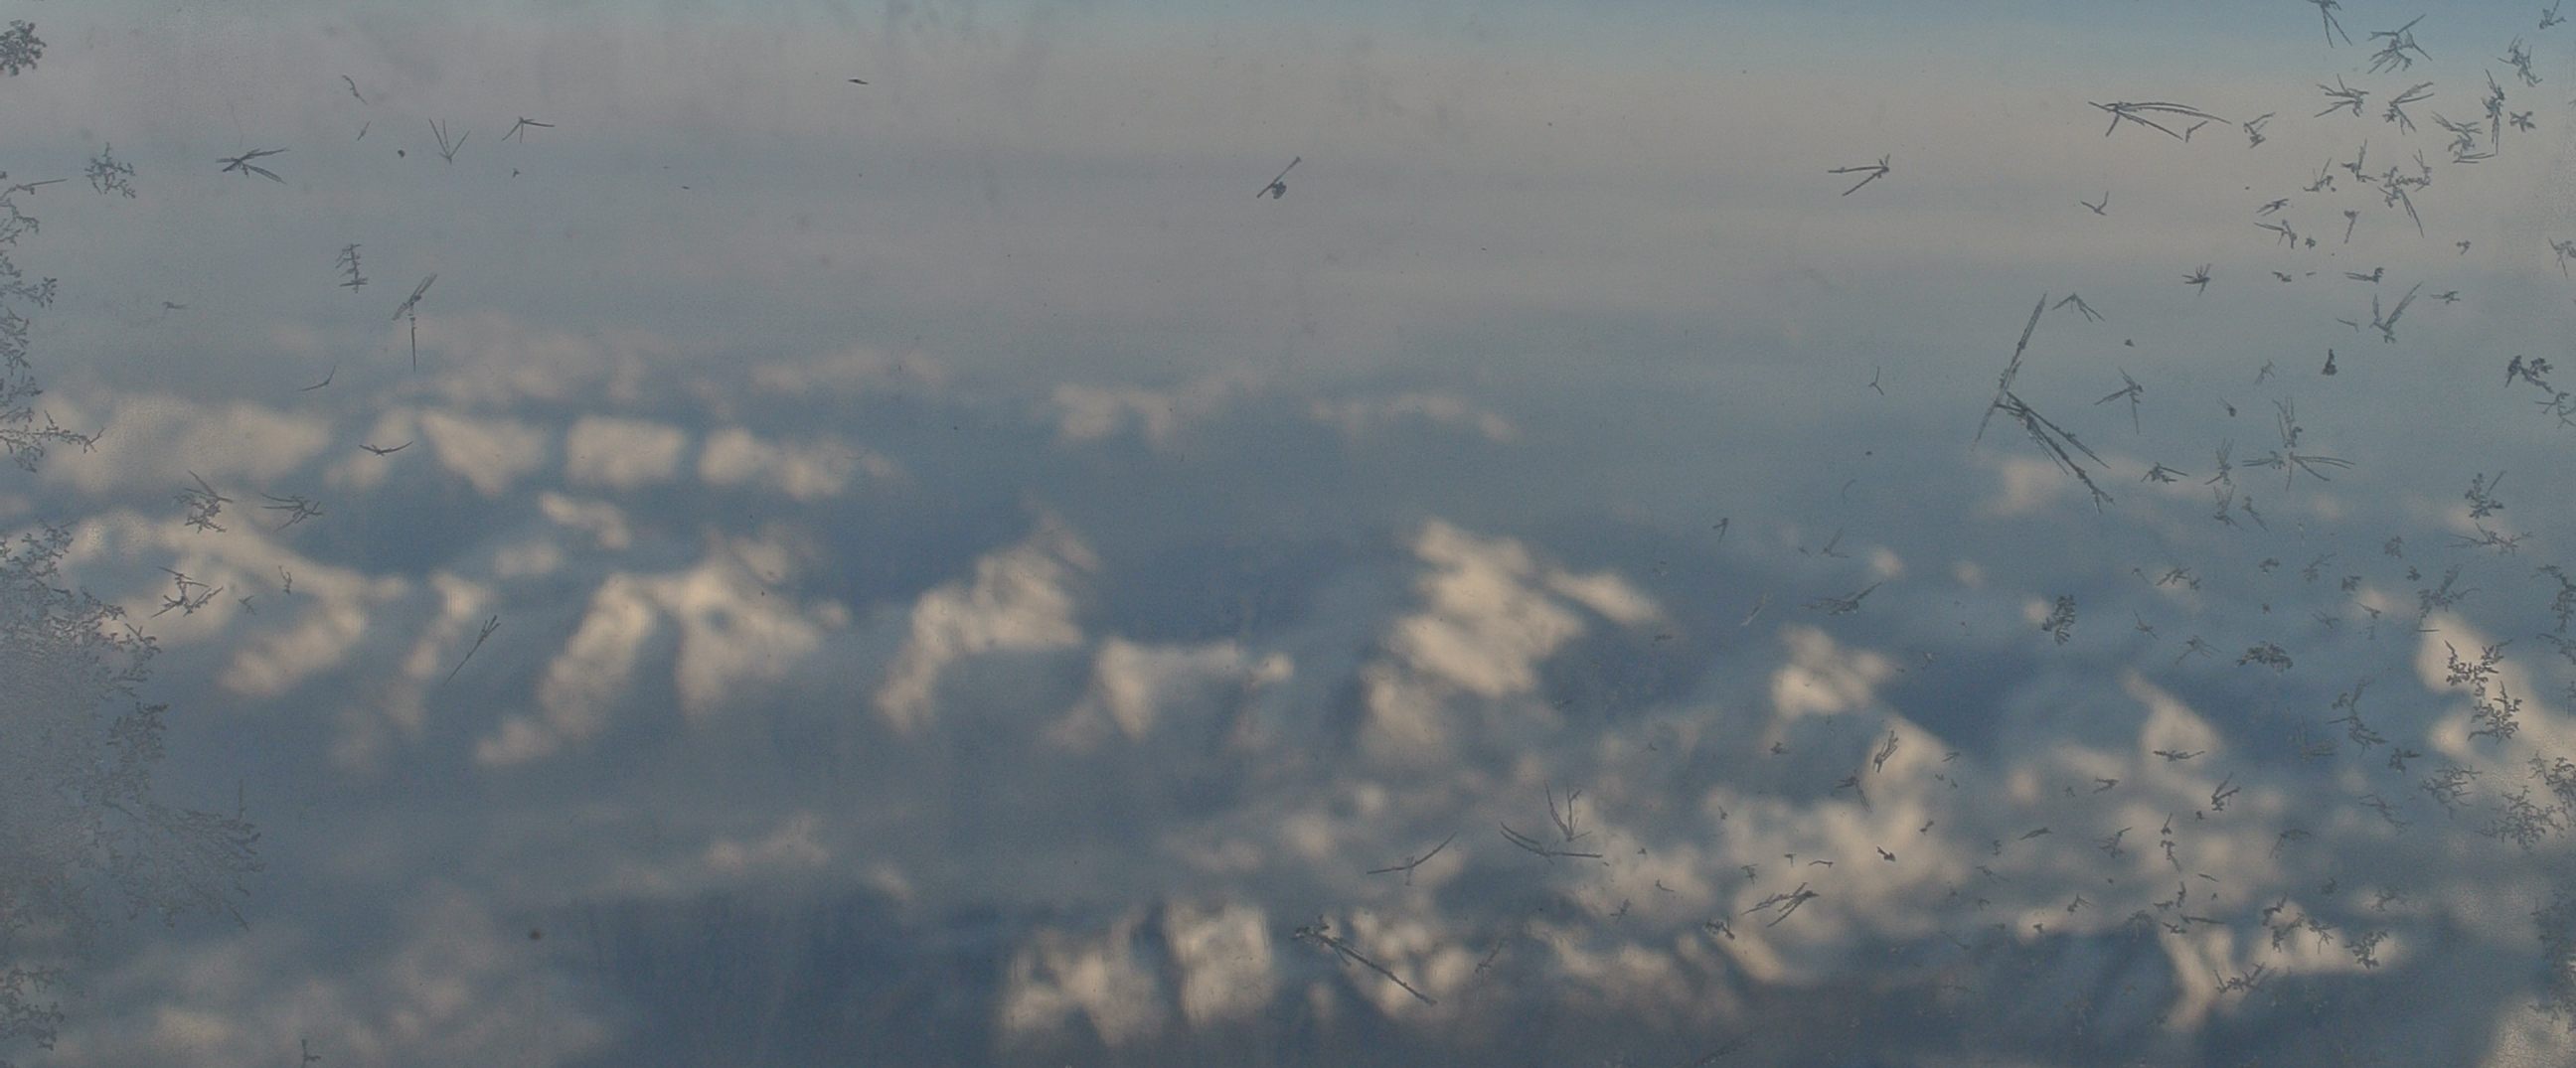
931	570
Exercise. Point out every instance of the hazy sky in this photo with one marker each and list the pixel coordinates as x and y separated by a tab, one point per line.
974	580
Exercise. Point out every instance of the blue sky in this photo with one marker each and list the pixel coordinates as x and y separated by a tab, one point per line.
974	582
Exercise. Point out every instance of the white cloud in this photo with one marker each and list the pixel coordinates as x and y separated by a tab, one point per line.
493	454
2540	730
621	453
731	636
1021	599
1489	615
1225	958
606	524
1885	565
2029	486
1482	629
1092	413
488	360
714	623
1822	678
791	847
154	441
2525	1034
448	984
1135	689
1361	417
585	681
329	622
360	471
1059	978
808	471
1440	661
1609	595
851	372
